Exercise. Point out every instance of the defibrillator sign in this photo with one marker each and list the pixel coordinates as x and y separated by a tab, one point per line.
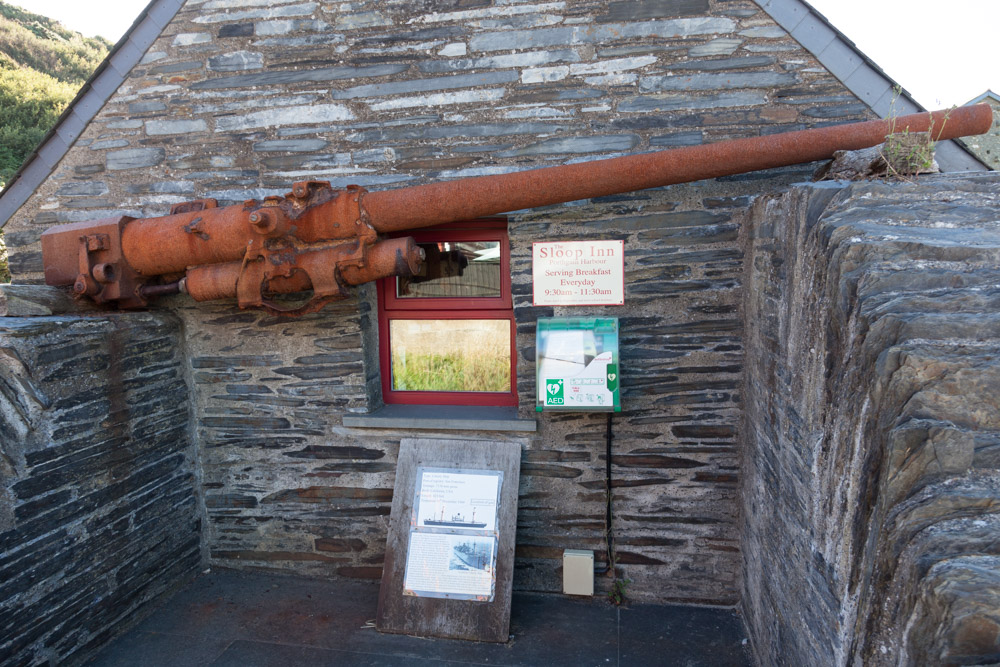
577	364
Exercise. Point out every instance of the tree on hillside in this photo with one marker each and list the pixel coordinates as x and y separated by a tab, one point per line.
42	66
30	103
37	43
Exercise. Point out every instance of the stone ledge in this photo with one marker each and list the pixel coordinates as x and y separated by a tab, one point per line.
443	417
40	301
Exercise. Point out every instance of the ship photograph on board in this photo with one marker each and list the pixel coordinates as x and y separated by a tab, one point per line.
457	521
472	554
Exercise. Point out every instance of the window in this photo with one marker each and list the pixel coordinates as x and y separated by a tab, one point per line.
447	337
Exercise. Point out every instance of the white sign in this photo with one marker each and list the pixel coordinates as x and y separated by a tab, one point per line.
453	534
456	500
570	385
442	565
578	273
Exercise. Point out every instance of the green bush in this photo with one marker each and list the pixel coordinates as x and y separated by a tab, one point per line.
30	103
42	66
70	61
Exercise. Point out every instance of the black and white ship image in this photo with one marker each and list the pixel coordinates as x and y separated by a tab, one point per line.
472	555
457	521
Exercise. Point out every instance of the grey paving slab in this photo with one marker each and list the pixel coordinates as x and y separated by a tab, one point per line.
681	635
217	605
263	654
562	631
247	619
153	649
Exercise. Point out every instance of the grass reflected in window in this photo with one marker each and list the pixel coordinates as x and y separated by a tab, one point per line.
450	355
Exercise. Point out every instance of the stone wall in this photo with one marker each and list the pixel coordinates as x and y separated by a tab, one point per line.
98	513
237	100
675	464
872	481
288	487
987	146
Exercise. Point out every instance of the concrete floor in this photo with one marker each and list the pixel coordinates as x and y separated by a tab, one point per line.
250	620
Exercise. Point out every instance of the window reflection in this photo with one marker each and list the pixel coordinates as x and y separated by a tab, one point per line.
455	269
450	355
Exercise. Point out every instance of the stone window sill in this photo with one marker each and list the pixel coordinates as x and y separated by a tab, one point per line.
442	417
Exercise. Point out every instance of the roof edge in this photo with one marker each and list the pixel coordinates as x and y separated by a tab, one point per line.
859	73
989	94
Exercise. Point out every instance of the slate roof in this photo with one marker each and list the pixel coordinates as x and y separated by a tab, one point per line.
806	25
988	95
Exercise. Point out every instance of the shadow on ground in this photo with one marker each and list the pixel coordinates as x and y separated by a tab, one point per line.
249	620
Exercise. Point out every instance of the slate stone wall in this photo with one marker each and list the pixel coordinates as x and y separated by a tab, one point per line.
871	487
238	100
987	146
98	510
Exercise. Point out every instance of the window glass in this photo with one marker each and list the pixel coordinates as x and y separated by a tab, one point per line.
446	336
450	355
455	269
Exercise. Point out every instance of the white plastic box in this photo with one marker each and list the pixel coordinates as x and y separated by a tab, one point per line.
578	572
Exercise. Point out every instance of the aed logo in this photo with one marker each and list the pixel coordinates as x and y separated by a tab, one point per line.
562	252
555	392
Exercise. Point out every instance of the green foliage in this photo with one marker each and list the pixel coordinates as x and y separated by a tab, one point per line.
39	43
4	269
30	103
42	25
42	65
908	153
617	593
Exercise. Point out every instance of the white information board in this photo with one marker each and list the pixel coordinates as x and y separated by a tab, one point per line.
578	273
453	536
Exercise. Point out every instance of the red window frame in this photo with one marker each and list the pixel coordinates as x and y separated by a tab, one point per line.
391	307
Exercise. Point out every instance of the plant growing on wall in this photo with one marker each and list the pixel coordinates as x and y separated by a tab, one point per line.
908	153
616	595
4	267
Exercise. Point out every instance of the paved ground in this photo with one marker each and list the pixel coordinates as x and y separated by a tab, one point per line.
255	620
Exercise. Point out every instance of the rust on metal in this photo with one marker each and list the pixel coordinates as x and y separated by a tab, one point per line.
166	289
320	239
212	281
89	256
325	270
191	206
436	203
194	227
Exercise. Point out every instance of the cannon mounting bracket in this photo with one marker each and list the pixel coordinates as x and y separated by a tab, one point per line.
275	254
100	271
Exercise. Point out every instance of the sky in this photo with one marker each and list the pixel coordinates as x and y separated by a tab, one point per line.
943	53
111	21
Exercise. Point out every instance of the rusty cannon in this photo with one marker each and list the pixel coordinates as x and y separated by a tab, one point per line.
323	239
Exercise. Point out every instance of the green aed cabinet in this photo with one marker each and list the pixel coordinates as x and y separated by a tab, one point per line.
576	362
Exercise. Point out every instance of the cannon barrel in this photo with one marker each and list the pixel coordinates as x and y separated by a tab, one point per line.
320	238
435	203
